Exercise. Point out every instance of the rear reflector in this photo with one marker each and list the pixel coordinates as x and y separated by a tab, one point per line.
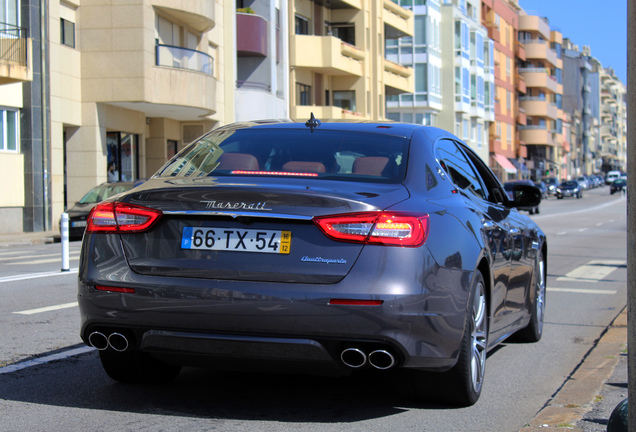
353	302
383	228
120	217
115	289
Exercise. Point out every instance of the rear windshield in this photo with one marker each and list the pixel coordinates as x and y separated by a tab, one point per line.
324	154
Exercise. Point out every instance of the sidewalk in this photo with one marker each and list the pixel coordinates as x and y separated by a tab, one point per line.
29	238
587	398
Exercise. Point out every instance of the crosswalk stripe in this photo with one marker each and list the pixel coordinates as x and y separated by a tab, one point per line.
593	271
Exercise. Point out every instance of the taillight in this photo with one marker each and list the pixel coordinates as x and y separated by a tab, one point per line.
120	217
383	228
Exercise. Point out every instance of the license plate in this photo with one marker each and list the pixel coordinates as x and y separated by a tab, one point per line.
236	240
78	224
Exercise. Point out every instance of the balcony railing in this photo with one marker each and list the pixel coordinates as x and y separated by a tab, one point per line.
13	44
184	58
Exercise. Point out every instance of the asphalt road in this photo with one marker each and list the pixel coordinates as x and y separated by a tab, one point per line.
49	381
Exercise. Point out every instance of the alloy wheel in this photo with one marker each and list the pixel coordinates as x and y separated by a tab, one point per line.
479	337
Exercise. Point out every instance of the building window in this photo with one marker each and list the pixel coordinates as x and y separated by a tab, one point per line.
67	33
302	25
9	130
10	12
345	32
303	94
123	157
345	99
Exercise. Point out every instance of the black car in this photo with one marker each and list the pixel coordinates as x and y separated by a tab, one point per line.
78	214
320	248
509	188
618	186
569	188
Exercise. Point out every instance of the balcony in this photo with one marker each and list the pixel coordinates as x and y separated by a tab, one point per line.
251	35
522	119
493	32
398	78
183	58
327	54
198	14
15	49
540	50
520	51
398	22
539	78
521	84
536	135
340	4
537	107
534	24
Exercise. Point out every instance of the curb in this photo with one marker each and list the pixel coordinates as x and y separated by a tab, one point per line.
577	395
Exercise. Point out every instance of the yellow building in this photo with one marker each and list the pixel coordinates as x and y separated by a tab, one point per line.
337	62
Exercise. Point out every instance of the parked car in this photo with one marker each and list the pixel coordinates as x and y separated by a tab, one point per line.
509	188
552	184
618	185
543	188
583	182
611	176
78	214
328	247
569	188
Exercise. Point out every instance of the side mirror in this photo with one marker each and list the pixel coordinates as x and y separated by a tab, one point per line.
526	196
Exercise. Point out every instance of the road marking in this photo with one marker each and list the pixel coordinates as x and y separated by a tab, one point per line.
586	210
43	360
47	309
581	291
37	275
23	257
44	261
583	229
593	271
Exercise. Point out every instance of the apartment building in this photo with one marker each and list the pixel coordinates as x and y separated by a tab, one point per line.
23	109
501	18
121	85
422	52
337	58
542	74
581	98
468	75
262	60
613	122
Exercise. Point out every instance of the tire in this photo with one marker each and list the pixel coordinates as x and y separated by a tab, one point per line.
559	197
534	330
536	210
462	385
137	367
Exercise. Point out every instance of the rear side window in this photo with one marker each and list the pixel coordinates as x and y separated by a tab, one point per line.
458	168
324	154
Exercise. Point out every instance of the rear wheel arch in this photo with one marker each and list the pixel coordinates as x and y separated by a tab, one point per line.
484	269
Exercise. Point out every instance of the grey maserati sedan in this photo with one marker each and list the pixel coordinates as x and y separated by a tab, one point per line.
317	247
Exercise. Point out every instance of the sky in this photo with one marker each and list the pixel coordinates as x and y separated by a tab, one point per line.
602	25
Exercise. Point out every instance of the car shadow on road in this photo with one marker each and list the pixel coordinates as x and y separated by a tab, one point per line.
80	382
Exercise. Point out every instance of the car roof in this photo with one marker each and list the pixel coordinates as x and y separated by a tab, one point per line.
378	127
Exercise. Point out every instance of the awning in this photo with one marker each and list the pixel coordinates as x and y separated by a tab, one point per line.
504	163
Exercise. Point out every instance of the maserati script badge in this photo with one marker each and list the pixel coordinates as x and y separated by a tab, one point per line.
228	205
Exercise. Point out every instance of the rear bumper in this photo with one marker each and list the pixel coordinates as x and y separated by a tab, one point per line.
203	321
